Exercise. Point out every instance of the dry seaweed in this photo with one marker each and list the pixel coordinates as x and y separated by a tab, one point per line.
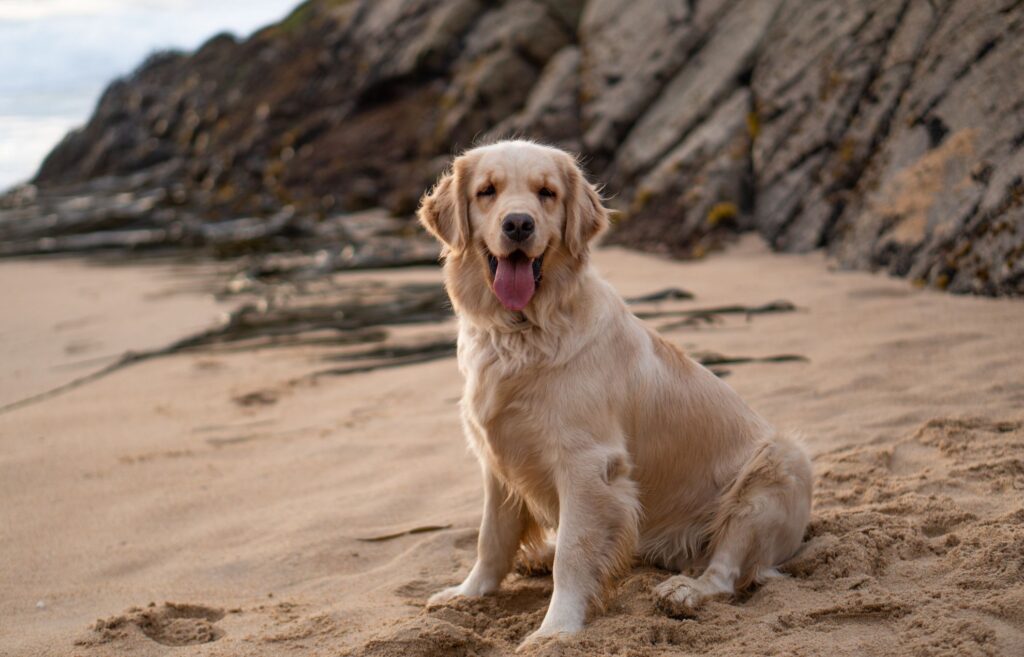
709	358
353	317
710	313
407	532
668	294
346	315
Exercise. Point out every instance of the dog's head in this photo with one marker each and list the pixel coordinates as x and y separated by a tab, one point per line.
516	220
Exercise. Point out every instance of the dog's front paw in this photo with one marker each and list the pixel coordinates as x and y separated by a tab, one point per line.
559	623
683	596
471	588
540	637
441	597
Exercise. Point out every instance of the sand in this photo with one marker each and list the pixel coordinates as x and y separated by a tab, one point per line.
151	510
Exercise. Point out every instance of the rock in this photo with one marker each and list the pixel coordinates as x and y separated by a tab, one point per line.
847	159
889	132
552	108
942	196
503	58
703	185
630	51
713	72
826	65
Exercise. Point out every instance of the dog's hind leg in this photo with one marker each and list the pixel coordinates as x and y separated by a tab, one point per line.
759	524
504	524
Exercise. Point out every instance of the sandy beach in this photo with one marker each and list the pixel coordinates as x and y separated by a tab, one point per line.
225	501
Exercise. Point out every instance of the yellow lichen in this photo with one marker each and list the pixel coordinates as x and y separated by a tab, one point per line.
642	198
753	124
847	150
226	193
722	211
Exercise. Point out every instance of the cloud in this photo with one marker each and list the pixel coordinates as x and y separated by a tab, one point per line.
56	56
27	10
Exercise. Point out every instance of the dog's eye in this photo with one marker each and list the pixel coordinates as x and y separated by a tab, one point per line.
486	191
546	193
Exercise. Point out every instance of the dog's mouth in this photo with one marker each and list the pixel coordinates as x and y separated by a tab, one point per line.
515	278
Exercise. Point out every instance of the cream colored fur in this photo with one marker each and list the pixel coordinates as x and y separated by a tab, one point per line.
587	422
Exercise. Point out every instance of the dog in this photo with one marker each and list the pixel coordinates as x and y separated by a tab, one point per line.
585	421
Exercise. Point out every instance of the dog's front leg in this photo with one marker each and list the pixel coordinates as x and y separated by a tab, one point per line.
597	534
501	529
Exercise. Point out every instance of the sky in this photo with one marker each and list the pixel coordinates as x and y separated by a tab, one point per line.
57	56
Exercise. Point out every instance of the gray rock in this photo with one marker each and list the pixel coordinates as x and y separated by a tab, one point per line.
942	193
699	193
708	77
630	51
890	132
552	110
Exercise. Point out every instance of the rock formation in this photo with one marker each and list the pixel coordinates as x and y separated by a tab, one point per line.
890	132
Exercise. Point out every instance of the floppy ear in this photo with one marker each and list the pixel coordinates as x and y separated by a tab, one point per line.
585	215
444	211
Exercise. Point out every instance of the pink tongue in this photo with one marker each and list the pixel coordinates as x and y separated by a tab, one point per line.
513	282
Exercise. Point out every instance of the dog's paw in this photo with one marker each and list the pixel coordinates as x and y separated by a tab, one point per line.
445	596
535	562
534	565
683	596
561	622
541	637
473	587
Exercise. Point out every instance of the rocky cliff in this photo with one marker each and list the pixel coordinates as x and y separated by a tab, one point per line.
890	132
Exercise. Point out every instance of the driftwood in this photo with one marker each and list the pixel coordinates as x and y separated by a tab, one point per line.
384	365
406	304
353	318
408	532
389	356
710	358
709	314
333	315
668	294
311	339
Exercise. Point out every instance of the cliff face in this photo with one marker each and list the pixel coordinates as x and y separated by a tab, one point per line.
890	132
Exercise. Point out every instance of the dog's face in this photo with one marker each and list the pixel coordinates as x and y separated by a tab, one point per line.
514	216
514	208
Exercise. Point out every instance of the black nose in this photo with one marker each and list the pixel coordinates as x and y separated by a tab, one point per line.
517	227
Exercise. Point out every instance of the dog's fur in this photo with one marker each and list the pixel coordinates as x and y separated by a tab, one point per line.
586	421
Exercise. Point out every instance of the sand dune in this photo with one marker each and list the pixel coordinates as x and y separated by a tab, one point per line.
224	501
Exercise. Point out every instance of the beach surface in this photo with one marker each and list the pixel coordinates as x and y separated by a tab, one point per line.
226	501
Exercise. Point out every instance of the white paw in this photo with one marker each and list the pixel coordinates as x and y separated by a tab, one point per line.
441	597
544	635
471	588
682	595
560	622
765	574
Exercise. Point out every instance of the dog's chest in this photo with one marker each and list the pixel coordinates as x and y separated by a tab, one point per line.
500	404
504	410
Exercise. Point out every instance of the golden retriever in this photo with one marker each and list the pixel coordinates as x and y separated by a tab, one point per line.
584	420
